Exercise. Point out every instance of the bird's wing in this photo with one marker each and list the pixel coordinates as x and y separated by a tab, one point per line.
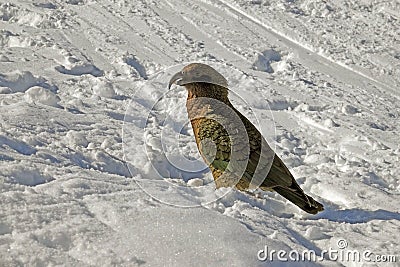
264	167
243	153
216	135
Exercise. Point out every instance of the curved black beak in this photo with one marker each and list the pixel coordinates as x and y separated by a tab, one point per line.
175	79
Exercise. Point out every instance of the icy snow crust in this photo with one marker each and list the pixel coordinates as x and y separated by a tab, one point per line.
78	84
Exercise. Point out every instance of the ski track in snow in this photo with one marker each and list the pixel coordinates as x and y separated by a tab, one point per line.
70	70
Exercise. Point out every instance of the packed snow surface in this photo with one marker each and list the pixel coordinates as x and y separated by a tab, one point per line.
98	162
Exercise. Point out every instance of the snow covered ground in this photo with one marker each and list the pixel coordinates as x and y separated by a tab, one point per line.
98	166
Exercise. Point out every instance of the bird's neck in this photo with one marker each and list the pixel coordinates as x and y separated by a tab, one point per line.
207	101
206	90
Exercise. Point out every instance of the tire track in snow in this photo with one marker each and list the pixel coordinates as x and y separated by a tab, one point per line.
181	20
223	49
145	50
87	48
326	61
264	36
307	56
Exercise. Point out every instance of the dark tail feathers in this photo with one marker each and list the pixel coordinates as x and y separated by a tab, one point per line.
300	199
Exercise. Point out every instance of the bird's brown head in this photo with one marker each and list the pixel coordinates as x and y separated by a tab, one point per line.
201	79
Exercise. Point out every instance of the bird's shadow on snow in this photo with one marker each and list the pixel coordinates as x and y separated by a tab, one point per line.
354	216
